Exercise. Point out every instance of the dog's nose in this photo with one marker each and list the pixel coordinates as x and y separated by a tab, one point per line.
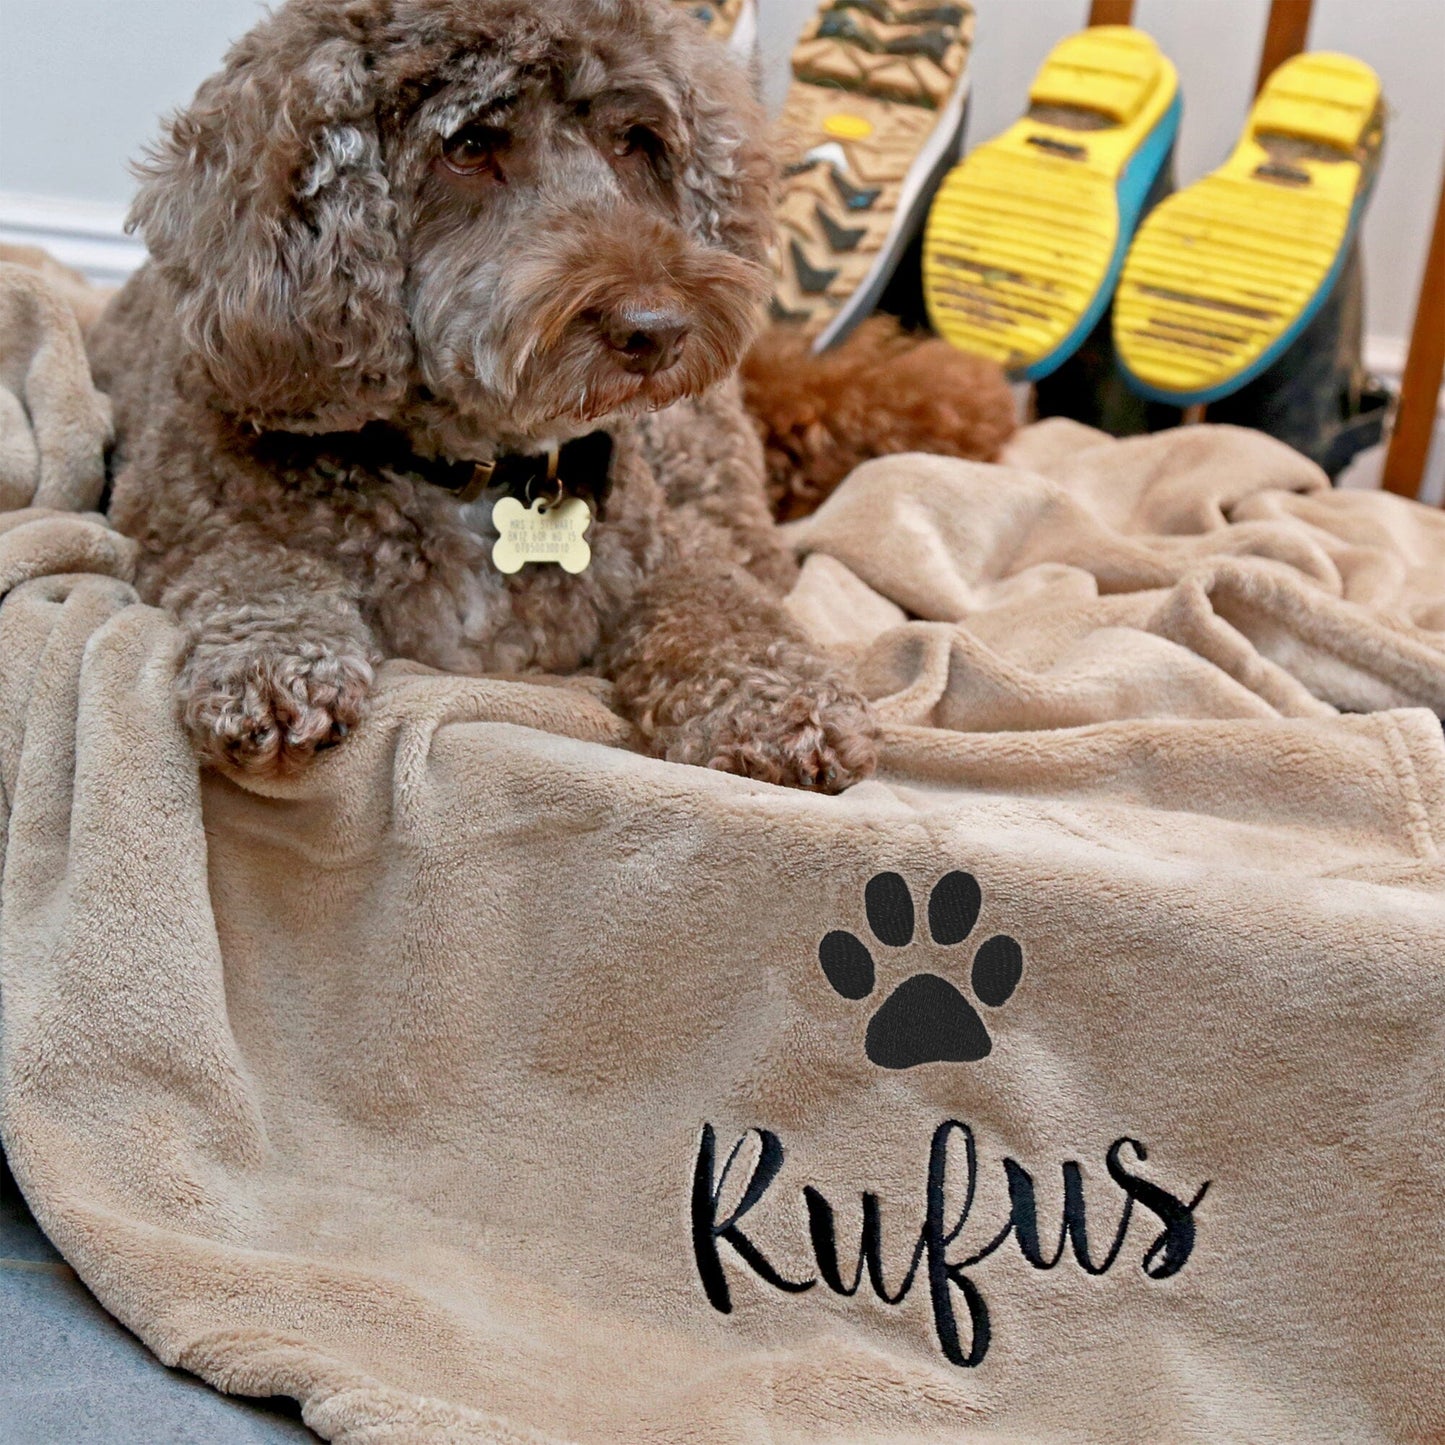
647	339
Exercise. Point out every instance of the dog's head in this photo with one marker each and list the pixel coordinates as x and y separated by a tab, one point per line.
515	217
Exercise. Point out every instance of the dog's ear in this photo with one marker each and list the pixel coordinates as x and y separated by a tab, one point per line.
266	207
733	178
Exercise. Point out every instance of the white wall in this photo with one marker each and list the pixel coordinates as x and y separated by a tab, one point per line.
82	83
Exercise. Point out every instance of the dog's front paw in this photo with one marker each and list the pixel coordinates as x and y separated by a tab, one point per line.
269	708
813	734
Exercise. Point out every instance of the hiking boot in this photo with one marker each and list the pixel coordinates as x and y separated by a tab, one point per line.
872	117
734	22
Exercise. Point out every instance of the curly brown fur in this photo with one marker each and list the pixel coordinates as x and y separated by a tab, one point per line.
882	391
484	225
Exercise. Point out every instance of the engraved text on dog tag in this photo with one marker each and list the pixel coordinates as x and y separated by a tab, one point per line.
543	532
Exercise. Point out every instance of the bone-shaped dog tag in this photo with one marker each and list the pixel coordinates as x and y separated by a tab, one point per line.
542	532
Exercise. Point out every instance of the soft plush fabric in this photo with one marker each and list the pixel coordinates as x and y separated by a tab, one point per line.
409	1088
54	425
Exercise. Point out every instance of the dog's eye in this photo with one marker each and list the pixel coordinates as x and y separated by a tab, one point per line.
473	149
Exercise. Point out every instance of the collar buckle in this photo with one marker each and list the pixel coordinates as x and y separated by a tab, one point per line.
481	480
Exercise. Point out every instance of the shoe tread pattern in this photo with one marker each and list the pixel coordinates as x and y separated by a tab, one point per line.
886	68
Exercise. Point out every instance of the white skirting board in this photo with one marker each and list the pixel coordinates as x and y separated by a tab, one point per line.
87	235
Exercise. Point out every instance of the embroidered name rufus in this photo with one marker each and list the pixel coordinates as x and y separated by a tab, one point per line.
944	1221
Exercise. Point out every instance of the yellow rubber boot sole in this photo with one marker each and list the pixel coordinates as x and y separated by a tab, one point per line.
1225	274
1027	235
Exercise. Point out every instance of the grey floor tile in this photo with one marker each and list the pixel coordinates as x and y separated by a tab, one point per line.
70	1375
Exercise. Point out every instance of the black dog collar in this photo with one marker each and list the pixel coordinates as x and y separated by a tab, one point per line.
579	468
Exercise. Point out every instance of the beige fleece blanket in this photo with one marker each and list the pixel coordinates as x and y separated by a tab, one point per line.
1080	1078
54	424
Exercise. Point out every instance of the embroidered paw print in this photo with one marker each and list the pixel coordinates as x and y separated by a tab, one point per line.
925	1020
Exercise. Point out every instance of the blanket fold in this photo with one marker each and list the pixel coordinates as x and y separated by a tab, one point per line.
1081	1076
54	425
1132	580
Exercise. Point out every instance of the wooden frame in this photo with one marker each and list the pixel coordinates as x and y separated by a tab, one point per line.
1111	12
1285	34
1424	370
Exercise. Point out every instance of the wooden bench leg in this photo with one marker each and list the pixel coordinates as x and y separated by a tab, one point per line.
1285	35
1111	12
1424	370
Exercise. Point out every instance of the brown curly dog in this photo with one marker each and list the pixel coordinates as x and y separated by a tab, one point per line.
394	242
882	391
